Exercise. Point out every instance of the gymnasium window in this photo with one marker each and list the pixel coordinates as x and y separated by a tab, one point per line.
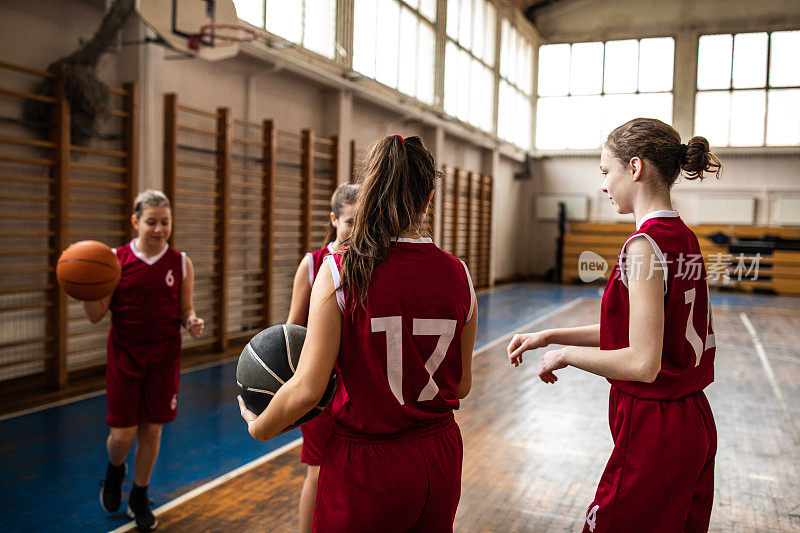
469	62
516	74
309	23
748	89
587	89
250	11
394	43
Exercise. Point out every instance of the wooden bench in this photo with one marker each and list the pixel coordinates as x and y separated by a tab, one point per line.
778	272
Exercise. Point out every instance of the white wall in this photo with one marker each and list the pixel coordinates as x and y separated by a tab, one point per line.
458	154
515	245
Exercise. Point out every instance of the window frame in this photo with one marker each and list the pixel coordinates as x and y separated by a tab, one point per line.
602	93
337	58
493	69
741	148
421	19
531	96
341	66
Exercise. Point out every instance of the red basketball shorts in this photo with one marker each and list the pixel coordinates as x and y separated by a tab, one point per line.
660	476
142	381
316	433
407	482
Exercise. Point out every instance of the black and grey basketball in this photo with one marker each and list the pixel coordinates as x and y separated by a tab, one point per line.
268	361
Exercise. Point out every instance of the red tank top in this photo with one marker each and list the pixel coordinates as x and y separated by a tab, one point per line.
146	306
400	358
687	358
315	260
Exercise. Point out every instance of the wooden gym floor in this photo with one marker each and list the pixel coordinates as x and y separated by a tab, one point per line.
534	452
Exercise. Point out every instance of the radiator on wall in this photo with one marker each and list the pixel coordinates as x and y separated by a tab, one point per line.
786	210
724	208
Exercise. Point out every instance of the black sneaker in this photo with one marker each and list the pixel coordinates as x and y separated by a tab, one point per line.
139	509
111	493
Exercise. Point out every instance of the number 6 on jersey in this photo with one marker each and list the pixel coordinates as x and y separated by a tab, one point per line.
393	326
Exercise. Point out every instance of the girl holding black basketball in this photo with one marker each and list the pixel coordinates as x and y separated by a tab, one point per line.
151	303
316	432
397	318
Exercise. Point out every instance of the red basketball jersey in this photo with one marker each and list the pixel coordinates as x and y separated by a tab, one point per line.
687	359
315	260
146	306
400	358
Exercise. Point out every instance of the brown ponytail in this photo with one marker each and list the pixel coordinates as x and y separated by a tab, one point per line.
399	175
659	143
345	194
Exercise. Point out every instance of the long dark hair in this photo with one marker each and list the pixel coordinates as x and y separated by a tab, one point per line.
345	194
399	175
659	143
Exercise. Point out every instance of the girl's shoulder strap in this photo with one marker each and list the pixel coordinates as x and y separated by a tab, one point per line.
334	262
123	250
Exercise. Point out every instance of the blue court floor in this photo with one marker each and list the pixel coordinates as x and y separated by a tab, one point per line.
52	460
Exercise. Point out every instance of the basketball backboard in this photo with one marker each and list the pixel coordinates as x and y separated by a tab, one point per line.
208	29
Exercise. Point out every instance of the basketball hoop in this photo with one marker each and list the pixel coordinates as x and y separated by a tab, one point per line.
207	29
231	33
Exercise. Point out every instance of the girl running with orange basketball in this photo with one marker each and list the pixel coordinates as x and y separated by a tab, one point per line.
397	318
656	343
151	303
317	431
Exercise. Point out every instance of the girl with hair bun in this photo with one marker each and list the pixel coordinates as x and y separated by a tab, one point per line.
656	343
317	431
397	318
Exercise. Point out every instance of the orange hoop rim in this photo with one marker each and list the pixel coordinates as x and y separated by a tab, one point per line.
196	40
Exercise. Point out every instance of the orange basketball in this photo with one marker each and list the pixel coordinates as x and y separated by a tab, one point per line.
88	270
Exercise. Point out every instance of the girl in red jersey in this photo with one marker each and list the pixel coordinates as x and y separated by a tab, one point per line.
317	431
152	301
397	318
656	343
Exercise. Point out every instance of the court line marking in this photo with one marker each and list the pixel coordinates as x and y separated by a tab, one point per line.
762	355
275	453
211	484
526	327
67	401
57	403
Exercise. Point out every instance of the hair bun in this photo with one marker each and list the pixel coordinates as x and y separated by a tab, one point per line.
696	159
